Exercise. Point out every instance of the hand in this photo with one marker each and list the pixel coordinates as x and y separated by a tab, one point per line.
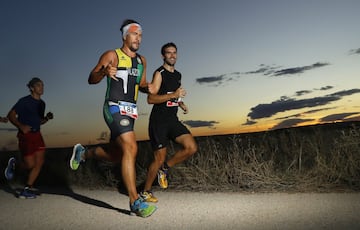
49	116
4	119
110	71
25	128
180	92
184	107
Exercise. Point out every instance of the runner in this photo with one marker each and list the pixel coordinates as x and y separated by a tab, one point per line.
125	73
28	115
164	123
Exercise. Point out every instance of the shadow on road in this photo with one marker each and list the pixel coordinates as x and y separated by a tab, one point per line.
66	191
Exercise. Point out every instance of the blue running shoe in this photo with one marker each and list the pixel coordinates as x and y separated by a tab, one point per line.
10	169
141	208
77	157
27	194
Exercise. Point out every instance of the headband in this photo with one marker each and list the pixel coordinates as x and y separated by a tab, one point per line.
130	28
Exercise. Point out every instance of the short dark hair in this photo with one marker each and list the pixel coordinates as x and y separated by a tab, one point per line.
167	45
127	22
33	81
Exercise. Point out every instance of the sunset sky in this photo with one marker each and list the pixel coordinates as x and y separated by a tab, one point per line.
246	65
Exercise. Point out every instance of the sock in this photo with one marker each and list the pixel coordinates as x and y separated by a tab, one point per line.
165	166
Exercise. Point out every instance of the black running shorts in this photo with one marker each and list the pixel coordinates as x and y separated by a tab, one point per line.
161	132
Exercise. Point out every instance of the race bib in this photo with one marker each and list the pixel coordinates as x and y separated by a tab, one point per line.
128	109
174	102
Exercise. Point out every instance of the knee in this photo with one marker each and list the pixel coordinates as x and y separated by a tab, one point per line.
160	156
191	149
130	148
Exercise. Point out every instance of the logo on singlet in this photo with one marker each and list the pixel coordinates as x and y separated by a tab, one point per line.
124	122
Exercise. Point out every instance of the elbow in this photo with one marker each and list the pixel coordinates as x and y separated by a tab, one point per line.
150	100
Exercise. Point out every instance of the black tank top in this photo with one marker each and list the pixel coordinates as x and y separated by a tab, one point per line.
171	81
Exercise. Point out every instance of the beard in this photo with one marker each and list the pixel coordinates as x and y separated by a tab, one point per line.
168	62
134	47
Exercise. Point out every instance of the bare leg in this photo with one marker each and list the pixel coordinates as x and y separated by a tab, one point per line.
159	156
189	148
128	147
113	155
34	163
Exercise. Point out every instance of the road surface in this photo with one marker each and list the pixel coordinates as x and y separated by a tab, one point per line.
82	208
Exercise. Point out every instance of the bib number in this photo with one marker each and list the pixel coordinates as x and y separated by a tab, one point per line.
128	109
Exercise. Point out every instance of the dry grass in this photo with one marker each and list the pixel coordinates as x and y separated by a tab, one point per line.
285	160
319	158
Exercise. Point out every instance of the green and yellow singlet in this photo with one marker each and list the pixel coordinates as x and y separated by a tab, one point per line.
129	73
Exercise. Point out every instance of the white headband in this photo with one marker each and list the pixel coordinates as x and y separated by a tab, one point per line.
132	27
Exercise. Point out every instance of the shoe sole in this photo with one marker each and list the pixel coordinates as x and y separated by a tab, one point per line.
25	198
134	213
73	155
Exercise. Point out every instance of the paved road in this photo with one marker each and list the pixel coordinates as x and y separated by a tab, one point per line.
103	209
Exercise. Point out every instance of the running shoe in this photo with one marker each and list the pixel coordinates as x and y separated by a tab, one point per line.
27	194
77	156
141	208
148	196
10	169
162	178
34	190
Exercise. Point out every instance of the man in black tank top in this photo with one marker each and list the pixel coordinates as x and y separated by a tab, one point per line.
125	72
164	124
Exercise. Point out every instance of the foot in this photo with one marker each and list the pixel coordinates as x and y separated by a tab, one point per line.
141	208
162	178
10	169
77	156
148	196
26	193
35	190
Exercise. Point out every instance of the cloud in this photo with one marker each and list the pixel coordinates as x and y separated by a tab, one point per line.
290	123
218	80
356	118
355	51
198	123
264	69
326	87
298	70
249	122
286	104
304	113
302	92
275	71
337	117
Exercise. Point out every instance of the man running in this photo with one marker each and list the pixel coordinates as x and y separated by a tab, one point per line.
125	73
28	115
164	124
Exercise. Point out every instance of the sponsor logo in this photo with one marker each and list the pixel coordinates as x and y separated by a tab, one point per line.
133	72
124	122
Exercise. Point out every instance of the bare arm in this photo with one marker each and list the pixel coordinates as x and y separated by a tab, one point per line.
105	67
183	107
154	98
